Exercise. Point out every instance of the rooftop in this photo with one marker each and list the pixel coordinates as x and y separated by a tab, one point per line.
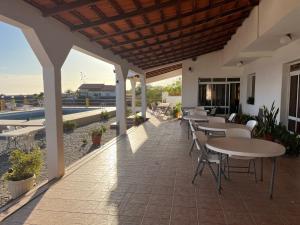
97	87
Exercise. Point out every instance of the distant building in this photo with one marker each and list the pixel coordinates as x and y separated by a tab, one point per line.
95	91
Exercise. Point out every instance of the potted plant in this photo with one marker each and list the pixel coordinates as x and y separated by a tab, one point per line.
137	120
25	166
97	134
268	122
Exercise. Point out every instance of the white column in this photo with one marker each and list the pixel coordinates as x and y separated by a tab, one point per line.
133	85
54	124
121	74
144	100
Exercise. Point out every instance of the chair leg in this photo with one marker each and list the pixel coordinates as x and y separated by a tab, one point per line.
254	167
197	171
192	148
227	162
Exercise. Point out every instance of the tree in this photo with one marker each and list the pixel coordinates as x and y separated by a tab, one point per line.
173	89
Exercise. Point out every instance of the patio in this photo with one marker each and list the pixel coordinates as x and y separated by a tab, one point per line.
145	178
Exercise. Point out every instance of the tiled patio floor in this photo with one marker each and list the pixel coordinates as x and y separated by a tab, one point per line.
145	178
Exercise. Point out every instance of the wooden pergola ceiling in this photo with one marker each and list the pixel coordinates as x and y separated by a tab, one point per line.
150	33
163	70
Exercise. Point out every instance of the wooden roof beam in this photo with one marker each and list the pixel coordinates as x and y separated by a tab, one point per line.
149	66
170	19
124	16
191	51
233	27
65	7
241	19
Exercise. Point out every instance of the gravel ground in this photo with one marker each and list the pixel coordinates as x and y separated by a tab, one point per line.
74	149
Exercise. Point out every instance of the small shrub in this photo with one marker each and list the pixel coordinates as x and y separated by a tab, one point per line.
137	120
104	116
24	164
98	131
69	126
84	141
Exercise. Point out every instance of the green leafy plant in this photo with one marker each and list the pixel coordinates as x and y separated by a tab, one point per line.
137	120
268	121
176	110
24	164
244	118
104	115
69	126
84	141
98	131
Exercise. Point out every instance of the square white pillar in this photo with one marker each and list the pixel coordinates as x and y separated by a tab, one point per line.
144	97
121	74
133	96
54	122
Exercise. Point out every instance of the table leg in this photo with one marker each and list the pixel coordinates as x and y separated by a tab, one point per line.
272	177
261	169
220	173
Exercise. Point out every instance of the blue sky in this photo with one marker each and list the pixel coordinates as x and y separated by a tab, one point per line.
21	72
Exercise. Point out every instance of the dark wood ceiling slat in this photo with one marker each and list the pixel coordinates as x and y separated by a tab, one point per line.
232	27
173	18
124	16
69	7
191	51
181	28
178	59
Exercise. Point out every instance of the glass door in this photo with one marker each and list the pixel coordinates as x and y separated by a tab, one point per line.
294	101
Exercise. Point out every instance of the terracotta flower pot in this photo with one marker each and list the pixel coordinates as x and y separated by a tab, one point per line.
96	139
268	137
17	188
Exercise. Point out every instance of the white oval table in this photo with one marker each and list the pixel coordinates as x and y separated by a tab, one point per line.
219	127
197	118
257	148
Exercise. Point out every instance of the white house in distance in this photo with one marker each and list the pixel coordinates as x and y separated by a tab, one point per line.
95	91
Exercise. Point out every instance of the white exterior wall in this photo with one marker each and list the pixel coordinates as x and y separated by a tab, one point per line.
271	80
209	65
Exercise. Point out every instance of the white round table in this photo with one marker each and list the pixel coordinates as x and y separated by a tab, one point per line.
257	148
196	118
219	127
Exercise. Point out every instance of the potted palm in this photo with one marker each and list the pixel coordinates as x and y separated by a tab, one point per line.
25	166
97	134
268	122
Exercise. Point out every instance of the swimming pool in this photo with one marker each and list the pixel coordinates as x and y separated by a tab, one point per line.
38	114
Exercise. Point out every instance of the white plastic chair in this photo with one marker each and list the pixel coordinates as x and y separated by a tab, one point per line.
251	124
231	117
198	113
205	157
216	120
240	133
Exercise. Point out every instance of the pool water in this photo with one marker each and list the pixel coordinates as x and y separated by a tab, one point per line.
38	114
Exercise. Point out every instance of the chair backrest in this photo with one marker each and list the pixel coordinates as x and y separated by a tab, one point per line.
251	124
10	128
191	126
231	117
238	132
200	113
200	108
216	119
201	140
213	111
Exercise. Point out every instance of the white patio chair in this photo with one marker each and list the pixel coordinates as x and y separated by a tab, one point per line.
232	117
240	133
251	124
205	157
198	113
213	112
216	120
193	131
200	108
